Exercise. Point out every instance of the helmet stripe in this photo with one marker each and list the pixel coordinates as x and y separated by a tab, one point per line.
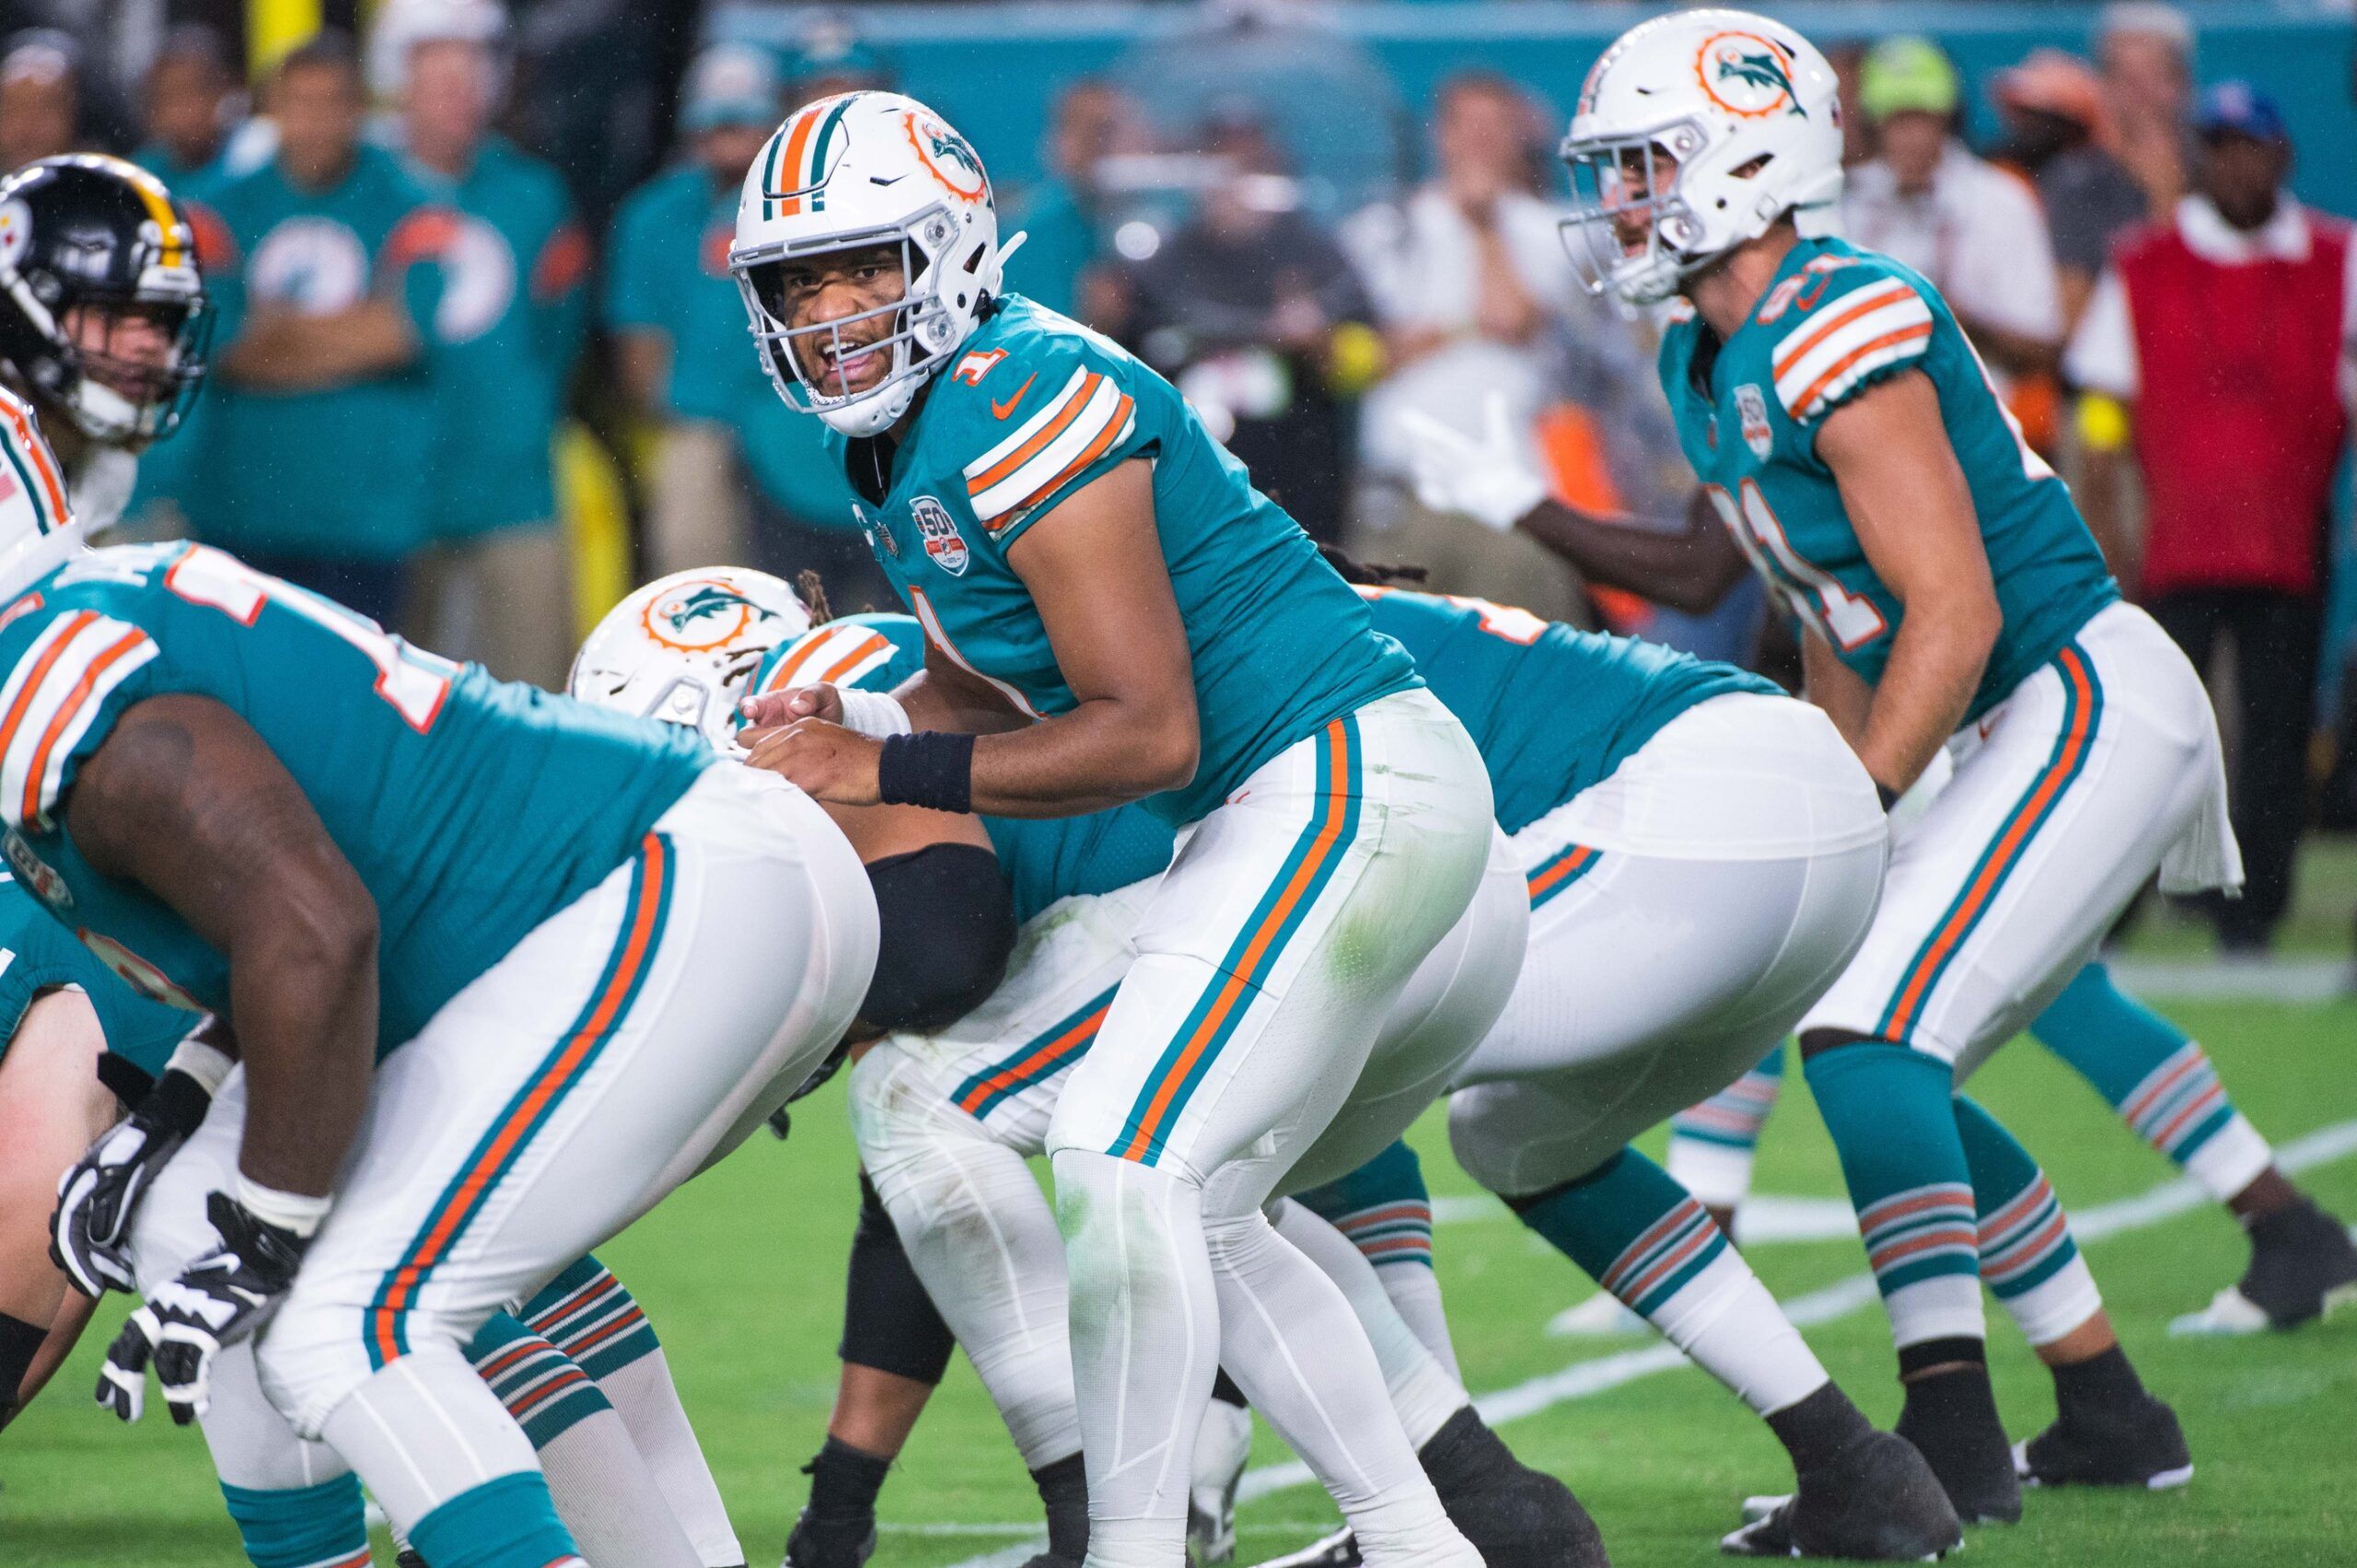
152	195
796	146
820	145
769	170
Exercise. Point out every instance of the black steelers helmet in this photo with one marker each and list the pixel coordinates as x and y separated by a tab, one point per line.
102	310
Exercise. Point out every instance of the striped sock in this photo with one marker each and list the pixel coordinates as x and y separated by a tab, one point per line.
1888	1110
2159	1080
541	1386
587	1314
310	1526
2027	1257
1712	1144
507	1522
1651	1243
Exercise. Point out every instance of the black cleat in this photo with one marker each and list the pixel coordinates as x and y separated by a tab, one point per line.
1952	1420
1877	1501
407	1557
2303	1265
823	1542
1509	1512
2140	1445
1050	1559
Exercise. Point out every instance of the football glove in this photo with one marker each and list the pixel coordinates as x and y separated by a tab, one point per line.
217	1300
97	1199
1488	479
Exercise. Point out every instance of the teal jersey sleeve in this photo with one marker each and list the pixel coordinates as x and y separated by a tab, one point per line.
868	653
1552	709
469	808
1835	323
1035	407
39	955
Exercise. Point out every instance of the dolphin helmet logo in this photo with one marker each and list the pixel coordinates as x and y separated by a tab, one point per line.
1747	76
701	617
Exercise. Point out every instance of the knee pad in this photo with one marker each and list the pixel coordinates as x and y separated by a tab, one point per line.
947	927
890	1321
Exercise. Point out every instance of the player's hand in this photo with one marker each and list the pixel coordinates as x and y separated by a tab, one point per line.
828	762
217	1300
1488	479
771	709
97	1198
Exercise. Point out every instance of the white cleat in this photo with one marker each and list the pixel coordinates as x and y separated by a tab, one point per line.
1223	1443
1601	1315
2230	1312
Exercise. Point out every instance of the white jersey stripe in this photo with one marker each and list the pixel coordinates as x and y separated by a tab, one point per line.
1029	428
1105	412
940	639
1810	330
1901	330
50	701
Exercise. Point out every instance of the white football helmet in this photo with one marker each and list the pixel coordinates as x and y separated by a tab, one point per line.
859	169
1698	130
38	529
681	648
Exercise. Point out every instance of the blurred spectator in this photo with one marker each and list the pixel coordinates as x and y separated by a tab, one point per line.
191	101
40	98
1241	308
1471	284
830	58
1857	136
2226	335
498	586
677	321
1970	227
1063	216
324	418
2146	51
2053	107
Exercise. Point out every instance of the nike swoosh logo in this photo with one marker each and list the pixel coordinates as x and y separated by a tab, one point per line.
886	180
1003	409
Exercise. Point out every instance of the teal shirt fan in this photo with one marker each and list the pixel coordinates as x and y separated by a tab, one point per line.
472	809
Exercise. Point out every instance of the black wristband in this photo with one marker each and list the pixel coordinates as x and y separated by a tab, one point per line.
1889	796
933	768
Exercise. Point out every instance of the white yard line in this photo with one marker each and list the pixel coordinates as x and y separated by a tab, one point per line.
1583	1378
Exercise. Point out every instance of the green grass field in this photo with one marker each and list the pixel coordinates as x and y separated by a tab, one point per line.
742	1276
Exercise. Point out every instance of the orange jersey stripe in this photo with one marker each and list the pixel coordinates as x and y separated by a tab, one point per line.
1904	334
60	720
2048	784
1041	438
39	672
1561	869
1329	831
1096	450
872	643
1865	303
44	463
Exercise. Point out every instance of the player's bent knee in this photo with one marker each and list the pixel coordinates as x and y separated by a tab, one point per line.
1497	1137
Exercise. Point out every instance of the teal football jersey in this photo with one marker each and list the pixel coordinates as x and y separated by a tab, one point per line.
1552	709
506	334
37	954
472	809
1044	858
1836	321
1035	407
331	472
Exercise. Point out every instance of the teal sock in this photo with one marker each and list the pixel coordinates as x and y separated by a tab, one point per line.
1630	1227
2157	1078
507	1522
1887	1109
2028	1259
542	1388
1382	1206
310	1526
591	1317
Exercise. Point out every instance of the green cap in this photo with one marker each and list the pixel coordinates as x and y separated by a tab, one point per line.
1903	74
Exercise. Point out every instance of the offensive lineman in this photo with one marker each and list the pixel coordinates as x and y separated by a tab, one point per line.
1114	614
1848	437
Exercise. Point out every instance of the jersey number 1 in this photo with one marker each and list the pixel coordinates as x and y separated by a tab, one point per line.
414	683
1844	619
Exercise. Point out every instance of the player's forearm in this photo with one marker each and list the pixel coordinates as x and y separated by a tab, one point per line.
1102	754
1935	665
305	995
289	352
64	1330
1689	568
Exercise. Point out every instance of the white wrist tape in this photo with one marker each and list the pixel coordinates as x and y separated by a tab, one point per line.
207	1065
289	1211
877	714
